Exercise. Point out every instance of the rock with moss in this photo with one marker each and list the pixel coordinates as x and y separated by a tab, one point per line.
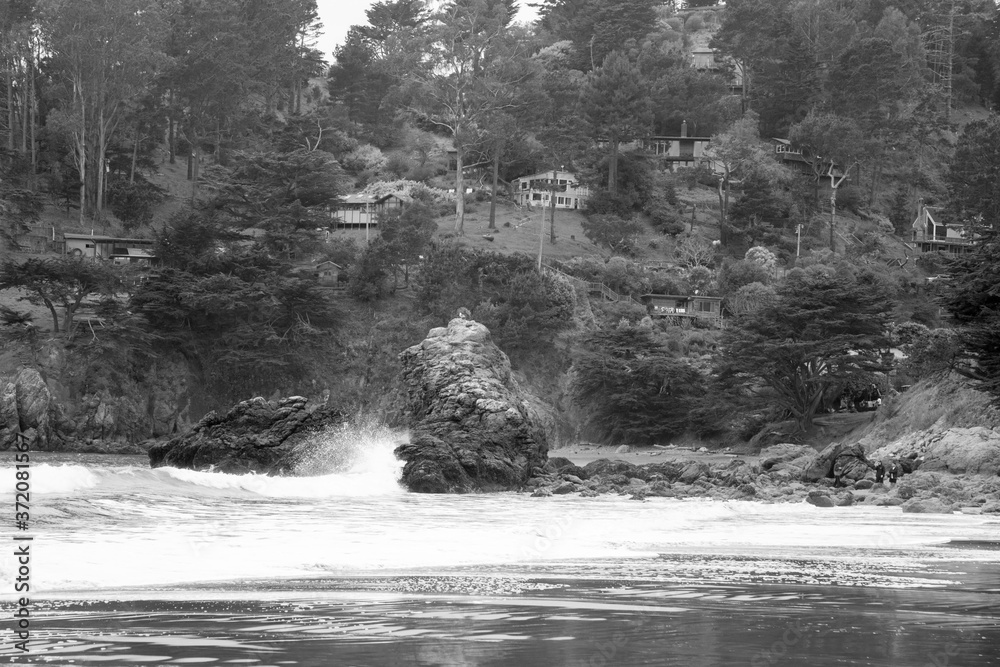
472	427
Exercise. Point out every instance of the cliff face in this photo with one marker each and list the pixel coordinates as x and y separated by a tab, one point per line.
472	427
57	403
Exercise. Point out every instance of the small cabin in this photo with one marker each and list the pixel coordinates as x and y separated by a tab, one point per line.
328	273
113	248
684	306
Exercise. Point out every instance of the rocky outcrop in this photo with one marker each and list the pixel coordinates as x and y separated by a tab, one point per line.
254	436
973	450
846	461
472	428
27	411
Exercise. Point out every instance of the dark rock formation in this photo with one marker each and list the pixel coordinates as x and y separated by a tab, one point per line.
27	411
471	426
254	436
849	460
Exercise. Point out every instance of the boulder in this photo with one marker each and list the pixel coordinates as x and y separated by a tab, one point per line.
785	456
472	428
848	458
863	484
819	499
927	506
254	436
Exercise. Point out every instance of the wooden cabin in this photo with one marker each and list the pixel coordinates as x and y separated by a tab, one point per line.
113	248
363	210
706	308
932	236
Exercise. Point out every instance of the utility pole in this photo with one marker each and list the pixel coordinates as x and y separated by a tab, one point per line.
798	240
552	205
541	237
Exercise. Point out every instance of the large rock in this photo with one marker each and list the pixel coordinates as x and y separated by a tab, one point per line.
786	456
847	459
472	428
956	450
26	410
254	436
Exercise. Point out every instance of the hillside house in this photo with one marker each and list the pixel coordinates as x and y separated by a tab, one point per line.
705	308
363	210
705	58
933	236
113	248
801	162
678	152
536	189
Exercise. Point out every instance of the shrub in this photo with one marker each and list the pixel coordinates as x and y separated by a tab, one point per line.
850	198
133	203
614	232
694	23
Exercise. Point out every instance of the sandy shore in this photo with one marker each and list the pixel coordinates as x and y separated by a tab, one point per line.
581	455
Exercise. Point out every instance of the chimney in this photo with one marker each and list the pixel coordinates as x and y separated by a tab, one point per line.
684	128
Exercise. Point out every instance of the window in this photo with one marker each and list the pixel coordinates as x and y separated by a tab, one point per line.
559	200
524	185
562	181
705	307
536	196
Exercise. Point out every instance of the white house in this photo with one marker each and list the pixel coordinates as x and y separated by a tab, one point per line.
363	210
537	189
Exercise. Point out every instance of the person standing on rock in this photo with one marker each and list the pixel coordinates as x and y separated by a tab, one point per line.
893	473
879	472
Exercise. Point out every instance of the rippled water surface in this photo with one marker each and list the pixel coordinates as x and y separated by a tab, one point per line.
138	566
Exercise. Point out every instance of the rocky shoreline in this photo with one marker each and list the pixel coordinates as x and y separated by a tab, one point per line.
779	474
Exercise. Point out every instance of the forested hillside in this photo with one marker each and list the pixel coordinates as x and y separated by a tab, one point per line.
772	155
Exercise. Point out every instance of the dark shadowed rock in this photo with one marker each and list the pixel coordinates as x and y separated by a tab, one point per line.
471	425
927	506
849	458
254	436
819	499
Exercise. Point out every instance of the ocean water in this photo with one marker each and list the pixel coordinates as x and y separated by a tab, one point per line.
133	566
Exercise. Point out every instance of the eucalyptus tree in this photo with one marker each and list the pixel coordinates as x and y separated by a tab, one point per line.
107	53
738	154
471	69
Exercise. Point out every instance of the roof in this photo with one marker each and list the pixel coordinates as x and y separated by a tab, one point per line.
358	199
659	137
687	297
568	175
134	252
106	239
329	263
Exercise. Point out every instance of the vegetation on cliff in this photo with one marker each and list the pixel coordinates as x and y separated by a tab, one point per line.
224	143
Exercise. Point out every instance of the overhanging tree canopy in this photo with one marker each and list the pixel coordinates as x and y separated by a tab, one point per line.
824	329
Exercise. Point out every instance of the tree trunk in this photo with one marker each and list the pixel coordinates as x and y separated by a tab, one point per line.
722	215
459	192
496	179
194	173
833	213
171	131
552	207
613	168
55	316
135	154
32	93
102	141
10	94
24	113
